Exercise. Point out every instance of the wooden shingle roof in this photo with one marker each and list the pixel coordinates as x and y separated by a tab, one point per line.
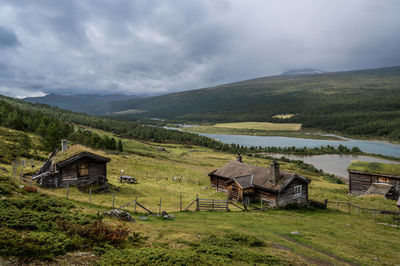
246	175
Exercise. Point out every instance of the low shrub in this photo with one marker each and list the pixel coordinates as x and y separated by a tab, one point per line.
30	189
42	245
233	248
96	232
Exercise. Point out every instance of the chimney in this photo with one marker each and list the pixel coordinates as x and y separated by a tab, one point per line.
64	145
239	158
275	173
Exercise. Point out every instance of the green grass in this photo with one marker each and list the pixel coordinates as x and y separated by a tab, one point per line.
261	126
375	167
193	237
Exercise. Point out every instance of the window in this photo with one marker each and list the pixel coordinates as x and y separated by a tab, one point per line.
83	169
297	191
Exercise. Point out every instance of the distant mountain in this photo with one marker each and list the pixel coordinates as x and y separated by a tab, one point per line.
361	102
86	103
303	71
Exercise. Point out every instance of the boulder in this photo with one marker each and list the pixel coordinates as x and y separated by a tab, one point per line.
120	214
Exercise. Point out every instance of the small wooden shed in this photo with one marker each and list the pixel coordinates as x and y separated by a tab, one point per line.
374	178
244	182
77	165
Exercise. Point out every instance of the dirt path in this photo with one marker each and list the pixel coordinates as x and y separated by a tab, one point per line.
335	257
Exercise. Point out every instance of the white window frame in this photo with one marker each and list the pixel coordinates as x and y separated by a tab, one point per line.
297	191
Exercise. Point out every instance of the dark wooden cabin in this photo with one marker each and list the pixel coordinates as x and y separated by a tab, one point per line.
244	182
374	178
77	166
364	183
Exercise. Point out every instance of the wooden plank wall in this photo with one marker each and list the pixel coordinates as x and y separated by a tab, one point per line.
287	195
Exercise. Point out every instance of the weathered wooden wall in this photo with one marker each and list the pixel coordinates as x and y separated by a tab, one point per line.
359	183
69	174
287	195
219	183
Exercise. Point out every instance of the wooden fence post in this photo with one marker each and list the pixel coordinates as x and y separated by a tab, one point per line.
146	174
358	210
337	206
180	202
135	205
67	190
113	198
227	203
20	178
197	202
159	208
90	194
349	207
374	213
212	204
326	203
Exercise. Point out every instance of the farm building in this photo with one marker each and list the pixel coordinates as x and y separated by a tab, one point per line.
77	165
244	182
374	178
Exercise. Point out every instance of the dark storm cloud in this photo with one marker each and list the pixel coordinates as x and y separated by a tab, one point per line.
149	46
7	38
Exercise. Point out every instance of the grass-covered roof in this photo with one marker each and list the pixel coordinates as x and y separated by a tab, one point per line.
75	150
374	167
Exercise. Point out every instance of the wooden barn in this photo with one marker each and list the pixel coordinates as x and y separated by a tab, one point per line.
244	182
374	178
77	165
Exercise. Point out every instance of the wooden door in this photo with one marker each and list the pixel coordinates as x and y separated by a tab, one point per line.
83	169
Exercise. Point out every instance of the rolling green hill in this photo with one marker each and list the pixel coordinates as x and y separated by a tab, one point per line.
363	102
87	103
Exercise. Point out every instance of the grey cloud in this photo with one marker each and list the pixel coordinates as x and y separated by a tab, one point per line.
138	46
8	38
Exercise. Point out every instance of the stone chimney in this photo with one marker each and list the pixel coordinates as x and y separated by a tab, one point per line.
275	172
239	158
64	145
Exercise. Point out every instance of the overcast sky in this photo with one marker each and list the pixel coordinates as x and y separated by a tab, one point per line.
136	47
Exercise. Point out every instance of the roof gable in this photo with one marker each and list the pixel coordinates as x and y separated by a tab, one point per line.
83	155
247	176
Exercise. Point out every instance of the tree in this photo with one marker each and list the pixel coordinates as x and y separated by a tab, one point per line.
26	144
119	146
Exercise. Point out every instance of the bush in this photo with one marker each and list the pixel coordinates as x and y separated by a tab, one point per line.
235	248
30	189
43	245
96	232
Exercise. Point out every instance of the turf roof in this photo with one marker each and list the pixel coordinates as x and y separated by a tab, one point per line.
375	167
75	150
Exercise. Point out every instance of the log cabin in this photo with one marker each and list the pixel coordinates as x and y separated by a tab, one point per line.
367	178
245	183
77	165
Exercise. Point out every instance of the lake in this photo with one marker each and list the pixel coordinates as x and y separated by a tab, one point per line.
332	163
368	146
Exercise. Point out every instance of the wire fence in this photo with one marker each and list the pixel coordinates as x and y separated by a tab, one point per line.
358	210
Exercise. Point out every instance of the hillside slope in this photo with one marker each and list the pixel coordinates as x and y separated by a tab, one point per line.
87	103
364	102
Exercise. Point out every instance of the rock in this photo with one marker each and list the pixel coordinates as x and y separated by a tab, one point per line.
165	215
120	214
204	187
143	218
295	233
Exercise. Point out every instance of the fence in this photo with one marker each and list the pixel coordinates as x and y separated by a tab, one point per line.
357	210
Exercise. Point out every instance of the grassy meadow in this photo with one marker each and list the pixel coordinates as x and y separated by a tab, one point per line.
324	236
261	126
213	129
